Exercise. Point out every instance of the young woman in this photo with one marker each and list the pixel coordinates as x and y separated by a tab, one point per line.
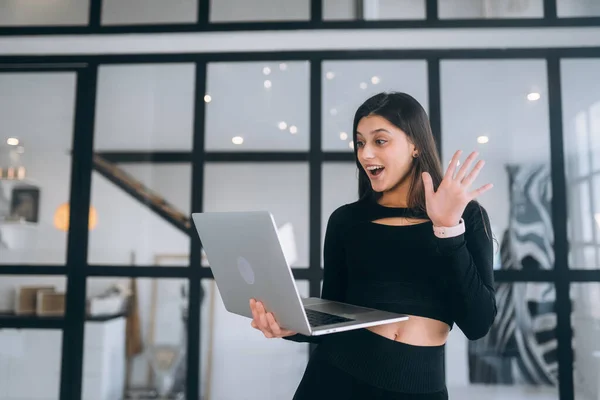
415	242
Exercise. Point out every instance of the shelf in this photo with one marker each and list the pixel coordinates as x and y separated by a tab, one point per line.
10	320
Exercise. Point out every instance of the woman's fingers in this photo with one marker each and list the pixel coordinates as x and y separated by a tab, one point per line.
253	309
276	329
463	170
265	321
468	180
273	325
481	190
262	315
262	321
257	318
452	167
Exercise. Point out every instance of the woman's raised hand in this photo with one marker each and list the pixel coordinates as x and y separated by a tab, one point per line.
265	322
446	205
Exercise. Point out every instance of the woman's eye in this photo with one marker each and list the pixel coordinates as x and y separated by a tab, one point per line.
359	144
380	141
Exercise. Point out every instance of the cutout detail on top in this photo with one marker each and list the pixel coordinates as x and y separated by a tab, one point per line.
400	221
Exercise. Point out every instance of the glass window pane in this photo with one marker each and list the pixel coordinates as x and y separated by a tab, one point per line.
142	108
596	205
518	358
589	255
585	321
347	84
128	231
155	347
469	9
578	8
259	10
146	107
373	10
27	353
124	12
581	213
594	131
581	131
31	352
44	13
500	109
581	144
281	188
270	102
339	187
36	132
238	362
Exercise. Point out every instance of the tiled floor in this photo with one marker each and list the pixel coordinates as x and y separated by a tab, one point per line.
497	392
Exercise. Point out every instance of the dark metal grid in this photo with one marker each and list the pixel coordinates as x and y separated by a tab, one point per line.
77	269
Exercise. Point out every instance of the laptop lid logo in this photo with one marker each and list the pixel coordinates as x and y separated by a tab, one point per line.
245	270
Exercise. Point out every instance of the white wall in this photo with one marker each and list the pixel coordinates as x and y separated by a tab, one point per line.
358	39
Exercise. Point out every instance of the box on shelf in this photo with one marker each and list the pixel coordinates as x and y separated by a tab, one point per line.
50	303
26	298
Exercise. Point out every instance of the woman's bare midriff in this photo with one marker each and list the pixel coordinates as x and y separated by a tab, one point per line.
416	331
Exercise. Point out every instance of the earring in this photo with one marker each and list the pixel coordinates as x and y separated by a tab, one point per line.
415	155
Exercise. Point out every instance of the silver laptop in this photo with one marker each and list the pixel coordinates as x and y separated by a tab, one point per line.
247	261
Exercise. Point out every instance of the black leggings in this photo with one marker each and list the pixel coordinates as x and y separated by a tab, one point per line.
363	365
324	381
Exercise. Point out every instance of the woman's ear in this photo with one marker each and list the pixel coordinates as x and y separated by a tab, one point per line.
414	151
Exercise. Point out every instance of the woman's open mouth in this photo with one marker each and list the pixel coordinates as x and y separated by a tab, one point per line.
375	170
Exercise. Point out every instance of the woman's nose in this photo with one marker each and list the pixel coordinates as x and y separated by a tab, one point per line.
367	152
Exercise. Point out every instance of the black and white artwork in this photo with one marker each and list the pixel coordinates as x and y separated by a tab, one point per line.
521	346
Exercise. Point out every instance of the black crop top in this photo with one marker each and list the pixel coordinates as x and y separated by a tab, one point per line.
407	269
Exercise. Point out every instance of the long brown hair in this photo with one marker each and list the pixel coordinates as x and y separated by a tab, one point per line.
406	113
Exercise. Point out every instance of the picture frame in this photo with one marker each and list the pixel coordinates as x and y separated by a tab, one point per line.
25	204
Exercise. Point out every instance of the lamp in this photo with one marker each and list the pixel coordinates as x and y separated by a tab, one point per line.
61	217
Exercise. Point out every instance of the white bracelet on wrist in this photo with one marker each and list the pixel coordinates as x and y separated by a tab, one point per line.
449	231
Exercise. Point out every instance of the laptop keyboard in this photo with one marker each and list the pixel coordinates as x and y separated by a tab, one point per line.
318	318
